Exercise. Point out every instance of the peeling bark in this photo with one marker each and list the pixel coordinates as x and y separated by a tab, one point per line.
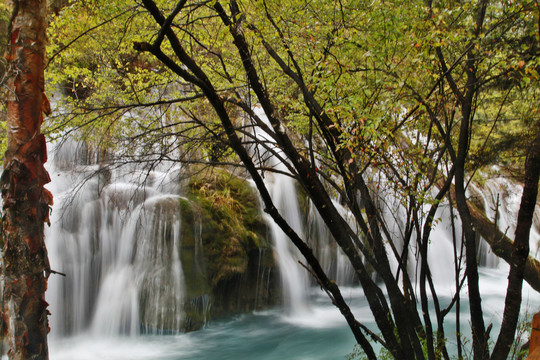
26	203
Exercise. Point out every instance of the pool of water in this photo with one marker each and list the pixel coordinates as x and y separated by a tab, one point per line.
317	333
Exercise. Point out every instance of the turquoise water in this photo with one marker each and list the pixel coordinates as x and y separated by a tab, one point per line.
318	333
255	336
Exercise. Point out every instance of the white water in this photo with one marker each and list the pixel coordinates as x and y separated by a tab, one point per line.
110	243
320	334
116	243
293	276
501	201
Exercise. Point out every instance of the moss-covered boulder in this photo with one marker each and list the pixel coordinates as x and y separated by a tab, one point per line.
226	254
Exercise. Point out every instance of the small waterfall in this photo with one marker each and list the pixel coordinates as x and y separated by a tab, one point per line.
145	283
294	278
499	197
118	243
441	246
332	259
501	201
293	275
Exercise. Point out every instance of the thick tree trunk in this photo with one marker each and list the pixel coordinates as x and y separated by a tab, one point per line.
520	252
25	202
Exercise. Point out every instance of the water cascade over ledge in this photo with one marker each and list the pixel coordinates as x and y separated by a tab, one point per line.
118	244
135	252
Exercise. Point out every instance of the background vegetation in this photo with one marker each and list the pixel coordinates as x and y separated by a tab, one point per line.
380	105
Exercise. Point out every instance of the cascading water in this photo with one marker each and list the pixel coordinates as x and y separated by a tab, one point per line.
332	259
118	245
117	236
446	230
293	276
145	283
501	200
284	194
118	242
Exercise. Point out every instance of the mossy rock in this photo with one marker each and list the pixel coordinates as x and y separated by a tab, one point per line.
225	250
233	224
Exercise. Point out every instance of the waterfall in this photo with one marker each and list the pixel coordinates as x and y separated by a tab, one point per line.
293	275
118	245
501	200
146	277
117	236
332	259
283	190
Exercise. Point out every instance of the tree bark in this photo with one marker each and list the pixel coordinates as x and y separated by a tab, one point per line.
466	100
25	202
520	252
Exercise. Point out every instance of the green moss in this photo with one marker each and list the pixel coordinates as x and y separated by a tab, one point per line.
233	224
224	248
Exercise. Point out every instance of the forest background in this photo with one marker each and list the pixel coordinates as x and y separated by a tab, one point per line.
360	101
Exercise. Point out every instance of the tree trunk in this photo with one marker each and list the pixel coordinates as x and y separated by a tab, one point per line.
25	202
520	252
